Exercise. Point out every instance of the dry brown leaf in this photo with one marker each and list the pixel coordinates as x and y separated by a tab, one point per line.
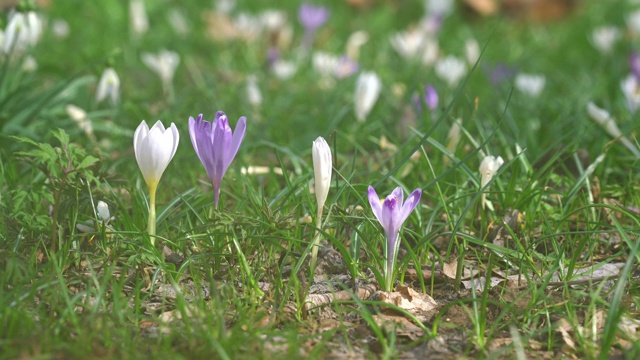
403	327
565	329
483	7
420	305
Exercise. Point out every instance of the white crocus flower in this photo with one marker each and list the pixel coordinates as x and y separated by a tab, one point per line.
451	70
604	119
633	22
530	84
472	51
108	86
138	17
488	169
355	42
368	87
322	167
430	51
60	28
254	96
103	211
284	69
154	148
407	43
439	7
324	63
631	90
29	64
16	35
605	37
81	119
164	64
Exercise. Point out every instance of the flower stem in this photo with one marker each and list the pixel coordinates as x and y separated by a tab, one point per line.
316	241
152	212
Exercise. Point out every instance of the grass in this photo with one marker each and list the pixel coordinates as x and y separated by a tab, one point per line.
232	283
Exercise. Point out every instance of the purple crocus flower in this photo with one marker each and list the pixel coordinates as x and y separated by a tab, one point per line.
216	145
634	64
311	17
392	213
431	97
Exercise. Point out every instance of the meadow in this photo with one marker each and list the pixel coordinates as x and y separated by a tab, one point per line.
355	179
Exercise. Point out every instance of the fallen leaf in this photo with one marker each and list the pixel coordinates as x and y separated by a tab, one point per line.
420	305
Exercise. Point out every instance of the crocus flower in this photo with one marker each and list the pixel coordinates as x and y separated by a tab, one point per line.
322	163
604	119
368	87
530	84
634	65
311	18
164	64
23	30
216	145
605	37
138	18
103	211
630	87
108	86
154	149
472	51
451	70
254	96
431	97
392	213
488	169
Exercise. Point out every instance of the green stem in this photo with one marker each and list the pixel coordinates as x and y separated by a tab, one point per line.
316	242
152	212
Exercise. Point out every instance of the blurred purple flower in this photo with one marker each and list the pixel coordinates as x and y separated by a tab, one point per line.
500	73
392	213
634	64
216	145
431	97
346	67
311	17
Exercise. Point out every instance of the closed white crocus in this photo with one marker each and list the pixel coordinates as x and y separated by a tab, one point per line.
322	167
488	169
472	51
604	119
451	70
16	35
138	18
631	90
108	86
407	44
164	64
154	148
368	87
103	211
530	84
254	96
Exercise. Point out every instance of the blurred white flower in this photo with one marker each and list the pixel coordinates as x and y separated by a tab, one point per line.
633	22
225	6
23	30
273	20
430	51
108	86
605	37
247	26
451	70
284	69
355	42
60	28
79	116
254	96
103	211
604	119
324	63
368	87
454	135
29	64
488	169
472	51
178	21
439	7
407	44
138	18
530	84
164	64
631	90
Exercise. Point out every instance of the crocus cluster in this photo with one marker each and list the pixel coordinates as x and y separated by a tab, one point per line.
214	142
